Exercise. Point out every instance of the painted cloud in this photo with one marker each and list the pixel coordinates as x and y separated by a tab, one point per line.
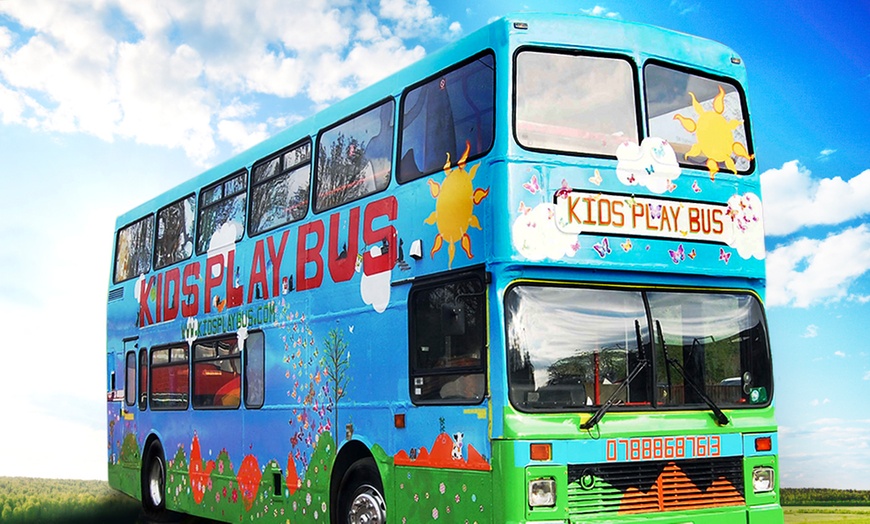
653	164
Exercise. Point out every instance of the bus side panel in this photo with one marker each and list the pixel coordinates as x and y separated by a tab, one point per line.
429	494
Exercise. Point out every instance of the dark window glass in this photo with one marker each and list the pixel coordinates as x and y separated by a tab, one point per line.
354	158
448	338
217	373
130	380
280	189
133	249
170	376
143	378
445	115
174	232
255	370
575	103
701	118
222	213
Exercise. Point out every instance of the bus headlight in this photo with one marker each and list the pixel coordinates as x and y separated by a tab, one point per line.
762	479
542	493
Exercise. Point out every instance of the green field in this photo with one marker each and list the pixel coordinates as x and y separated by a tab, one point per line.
806	514
87	501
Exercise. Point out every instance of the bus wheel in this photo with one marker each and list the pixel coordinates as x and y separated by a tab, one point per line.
361	497
154	482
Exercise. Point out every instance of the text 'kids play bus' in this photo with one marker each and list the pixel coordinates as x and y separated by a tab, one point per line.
519	281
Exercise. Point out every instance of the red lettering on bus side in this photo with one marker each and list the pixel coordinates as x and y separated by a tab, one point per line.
718	226
588	219
190	306
145	318
212	280
277	257
235	295
637	211
305	255
388	207
604	216
158	299
171	287
342	265
572	210
618	216
258	272
694	219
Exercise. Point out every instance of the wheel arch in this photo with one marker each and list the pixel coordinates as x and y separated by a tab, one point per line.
349	454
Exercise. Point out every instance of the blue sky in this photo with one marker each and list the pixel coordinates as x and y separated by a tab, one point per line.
104	104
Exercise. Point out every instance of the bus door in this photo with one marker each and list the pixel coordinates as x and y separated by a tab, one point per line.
448	345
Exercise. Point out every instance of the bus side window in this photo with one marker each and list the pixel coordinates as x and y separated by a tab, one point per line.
174	232
355	157
448	338
133	249
143	379
130	380
444	114
255	370
222	213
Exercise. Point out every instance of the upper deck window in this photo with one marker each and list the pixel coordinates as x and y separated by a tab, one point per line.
704	119
133	249
222	213
444	114
280	193
355	157
584	104
174	232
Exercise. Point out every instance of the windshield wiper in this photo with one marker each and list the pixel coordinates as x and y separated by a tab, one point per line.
721	417
641	364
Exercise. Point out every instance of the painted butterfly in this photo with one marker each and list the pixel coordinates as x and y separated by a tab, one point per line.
626	246
678	255
563	191
602	248
724	256
695	187
596	179
691	254
655	211
532	185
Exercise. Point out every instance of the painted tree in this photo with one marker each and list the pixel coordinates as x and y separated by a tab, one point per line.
338	359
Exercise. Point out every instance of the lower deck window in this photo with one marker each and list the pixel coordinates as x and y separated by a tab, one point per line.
217	373
170	378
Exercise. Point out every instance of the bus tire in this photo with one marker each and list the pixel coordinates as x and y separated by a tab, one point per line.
361	495
154	483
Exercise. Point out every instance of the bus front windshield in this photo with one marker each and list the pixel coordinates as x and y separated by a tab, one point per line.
572	348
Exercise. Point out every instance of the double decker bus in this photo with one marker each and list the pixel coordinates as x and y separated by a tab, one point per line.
519	281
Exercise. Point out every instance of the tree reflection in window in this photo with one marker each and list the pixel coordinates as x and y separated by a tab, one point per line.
222	213
354	158
133	249
174	232
280	189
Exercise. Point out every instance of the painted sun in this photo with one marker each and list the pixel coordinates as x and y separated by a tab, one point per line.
715	135
455	199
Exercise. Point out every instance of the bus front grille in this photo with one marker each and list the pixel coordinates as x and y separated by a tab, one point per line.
648	487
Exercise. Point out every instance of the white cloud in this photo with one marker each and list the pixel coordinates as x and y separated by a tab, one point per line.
839	354
119	69
793	199
825	154
828	453
817	402
809	271
600	11
867	375
811	332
